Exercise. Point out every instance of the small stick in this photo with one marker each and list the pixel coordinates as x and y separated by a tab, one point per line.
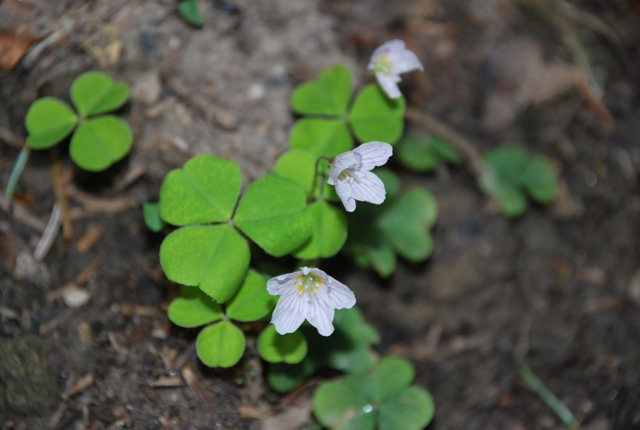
11	138
22	215
61	198
548	397
192	381
49	234
67	25
435	126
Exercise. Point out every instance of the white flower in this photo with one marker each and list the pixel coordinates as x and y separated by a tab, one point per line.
308	294
388	61
350	174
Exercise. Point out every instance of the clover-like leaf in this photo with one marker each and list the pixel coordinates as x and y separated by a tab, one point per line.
540	179
297	165
283	377
152	218
48	121
411	409
272	213
193	308
95	92
220	345
392	375
374	116
205	190
423	155
252	301
100	142
214	258
445	150
407	222
329	232
188	10
390	180
276	348
321	137
327	95
338	405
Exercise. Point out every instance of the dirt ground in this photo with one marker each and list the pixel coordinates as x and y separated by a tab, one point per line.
557	289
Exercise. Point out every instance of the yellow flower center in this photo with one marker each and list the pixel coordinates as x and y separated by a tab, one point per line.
383	65
308	283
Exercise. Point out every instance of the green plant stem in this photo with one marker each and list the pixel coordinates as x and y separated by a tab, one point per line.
548	397
315	174
21	161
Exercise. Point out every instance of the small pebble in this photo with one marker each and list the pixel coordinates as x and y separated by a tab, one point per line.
75	297
85	333
148	41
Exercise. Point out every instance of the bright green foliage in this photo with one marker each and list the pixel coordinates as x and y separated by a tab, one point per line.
94	93
374	116
151	213
205	190
511	173
319	136
275	348
348	349
380	399
100	142
272	213
327	95
252	301
213	257
220	345
188	10
48	121
400	225
325	131
423	155
299	165
193	308
329	231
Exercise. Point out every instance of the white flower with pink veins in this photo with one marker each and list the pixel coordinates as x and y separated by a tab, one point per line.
350	174
389	61
308	294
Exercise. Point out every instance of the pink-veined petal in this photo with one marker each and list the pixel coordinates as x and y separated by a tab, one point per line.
374	154
290	312
368	188
320	315
281	284
389	85
340	163
344	191
339	296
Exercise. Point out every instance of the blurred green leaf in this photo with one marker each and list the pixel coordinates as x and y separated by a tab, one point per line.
423	155
151	213
272	213
337	405
214	258
188	10
540	179
193	308
220	345
376	117
327	95
252	301
48	121
100	142
95	92
411	409
283	377
276	348
205	190
321	137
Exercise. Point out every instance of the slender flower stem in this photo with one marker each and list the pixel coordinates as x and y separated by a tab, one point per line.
61	198
315	175
21	161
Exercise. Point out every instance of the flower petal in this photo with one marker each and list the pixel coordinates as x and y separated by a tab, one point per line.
344	191
320	315
290	312
283	283
389	84
404	61
339	296
386	49
340	163
368	188
374	154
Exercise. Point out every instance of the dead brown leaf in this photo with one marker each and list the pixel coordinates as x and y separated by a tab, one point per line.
14	42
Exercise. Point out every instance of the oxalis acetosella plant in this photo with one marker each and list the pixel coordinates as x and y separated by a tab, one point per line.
296	210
